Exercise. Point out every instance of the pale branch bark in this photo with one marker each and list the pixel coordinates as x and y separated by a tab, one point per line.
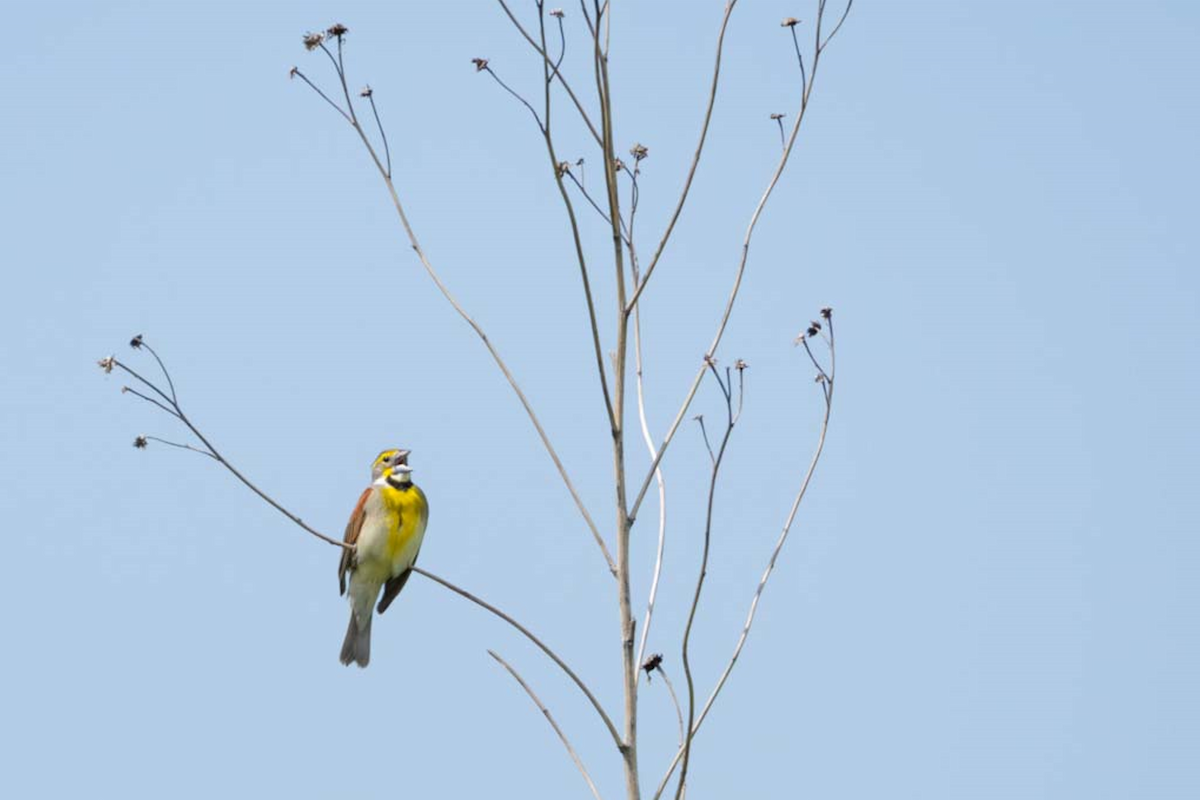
629	666
674	699
575	234
687	184
645	426
475	326
827	381
805	93
550	718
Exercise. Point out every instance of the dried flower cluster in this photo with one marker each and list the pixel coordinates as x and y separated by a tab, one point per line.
480	64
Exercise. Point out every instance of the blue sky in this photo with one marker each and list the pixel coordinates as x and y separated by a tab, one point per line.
990	591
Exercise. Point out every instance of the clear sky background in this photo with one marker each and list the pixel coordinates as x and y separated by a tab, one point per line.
991	591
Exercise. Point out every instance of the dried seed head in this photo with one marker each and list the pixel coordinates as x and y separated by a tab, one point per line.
777	116
579	163
789	22
366	92
826	312
313	40
107	364
712	362
136	342
812	331
652	663
618	164
564	168
556	12
338	30
820	378
140	442
815	324
639	151
740	365
480	64
293	72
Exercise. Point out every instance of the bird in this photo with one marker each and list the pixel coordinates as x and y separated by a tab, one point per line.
384	536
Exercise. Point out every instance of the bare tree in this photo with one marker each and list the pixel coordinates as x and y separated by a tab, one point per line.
547	37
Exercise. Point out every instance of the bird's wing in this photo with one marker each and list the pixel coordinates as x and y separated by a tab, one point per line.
392	588
353	527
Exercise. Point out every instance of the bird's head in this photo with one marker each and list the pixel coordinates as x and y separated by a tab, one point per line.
391	464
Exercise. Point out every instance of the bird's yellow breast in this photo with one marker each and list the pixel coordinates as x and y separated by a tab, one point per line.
407	512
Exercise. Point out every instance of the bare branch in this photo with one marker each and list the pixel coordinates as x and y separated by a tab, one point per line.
762	583
805	94
515	94
531	637
687	185
180	445
549	718
150	400
799	58
296	73
597	349
370	95
176	411
139	342
558	75
731	421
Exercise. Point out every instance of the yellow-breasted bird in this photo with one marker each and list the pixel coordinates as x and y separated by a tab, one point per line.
386	529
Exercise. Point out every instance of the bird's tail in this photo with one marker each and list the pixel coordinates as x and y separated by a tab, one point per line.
356	649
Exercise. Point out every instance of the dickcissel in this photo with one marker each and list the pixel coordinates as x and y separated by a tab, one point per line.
386	529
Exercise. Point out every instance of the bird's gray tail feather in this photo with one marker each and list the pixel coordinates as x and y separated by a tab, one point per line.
356	649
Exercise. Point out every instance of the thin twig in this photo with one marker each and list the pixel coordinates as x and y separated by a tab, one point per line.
687	185
522	100
799	58
176	411
674	700
531	637
151	400
762	583
180	445
297	73
704	432
577	239
170	383
558	75
731	421
549	718
382	133
805	94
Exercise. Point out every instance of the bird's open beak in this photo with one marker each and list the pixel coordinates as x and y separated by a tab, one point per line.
402	458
